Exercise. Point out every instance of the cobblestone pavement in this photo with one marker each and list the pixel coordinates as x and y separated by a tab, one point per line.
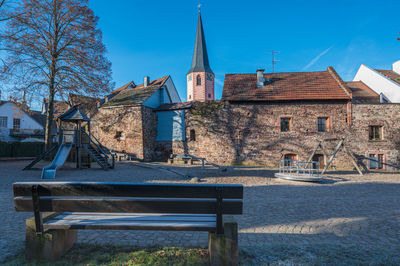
345	210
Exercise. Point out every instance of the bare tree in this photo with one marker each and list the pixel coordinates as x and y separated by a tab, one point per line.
54	46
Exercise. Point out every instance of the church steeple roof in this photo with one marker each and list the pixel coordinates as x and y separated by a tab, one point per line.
200	57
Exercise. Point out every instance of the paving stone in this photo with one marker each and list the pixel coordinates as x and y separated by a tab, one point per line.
350	210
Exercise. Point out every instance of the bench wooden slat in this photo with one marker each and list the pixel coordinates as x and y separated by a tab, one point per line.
118	225
102	189
130	205
132	221
136	217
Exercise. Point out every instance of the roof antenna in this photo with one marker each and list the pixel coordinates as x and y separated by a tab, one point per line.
273	59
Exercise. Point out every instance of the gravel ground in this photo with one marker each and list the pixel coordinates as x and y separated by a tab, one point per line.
346	219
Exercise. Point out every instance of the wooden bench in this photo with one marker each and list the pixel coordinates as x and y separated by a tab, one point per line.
60	208
186	158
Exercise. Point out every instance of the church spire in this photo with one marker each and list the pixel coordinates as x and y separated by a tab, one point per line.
200	78
200	57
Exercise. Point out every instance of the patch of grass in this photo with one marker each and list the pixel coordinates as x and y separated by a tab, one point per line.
87	254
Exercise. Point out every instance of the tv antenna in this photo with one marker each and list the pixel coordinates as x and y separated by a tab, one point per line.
273	59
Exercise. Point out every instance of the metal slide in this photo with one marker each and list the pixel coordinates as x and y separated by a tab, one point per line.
49	172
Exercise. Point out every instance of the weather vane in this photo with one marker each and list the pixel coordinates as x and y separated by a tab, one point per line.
199	6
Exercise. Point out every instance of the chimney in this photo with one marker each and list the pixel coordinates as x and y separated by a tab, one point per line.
146	81
396	67
260	78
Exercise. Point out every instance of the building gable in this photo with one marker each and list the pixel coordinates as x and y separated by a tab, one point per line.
11	110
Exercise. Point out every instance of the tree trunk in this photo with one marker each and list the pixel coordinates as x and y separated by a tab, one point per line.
49	120
50	107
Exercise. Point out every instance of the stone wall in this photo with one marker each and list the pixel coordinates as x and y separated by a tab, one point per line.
149	127
385	115
120	129
251	134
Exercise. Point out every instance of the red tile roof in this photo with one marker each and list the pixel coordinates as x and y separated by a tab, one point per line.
362	93
390	74
322	85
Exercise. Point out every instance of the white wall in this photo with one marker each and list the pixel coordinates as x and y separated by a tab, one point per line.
171	126
378	83
396	67
11	111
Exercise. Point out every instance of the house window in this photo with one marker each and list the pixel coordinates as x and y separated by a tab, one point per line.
209	95
376	161
375	132
192	135
198	80
16	124
323	124
289	159
3	121
190	97
286	124
118	135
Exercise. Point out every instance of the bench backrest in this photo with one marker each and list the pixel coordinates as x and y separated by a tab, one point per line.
128	197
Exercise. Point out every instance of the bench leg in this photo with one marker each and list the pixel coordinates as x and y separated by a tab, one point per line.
52	245
224	249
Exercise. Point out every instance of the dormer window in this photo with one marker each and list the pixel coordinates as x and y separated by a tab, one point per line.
198	80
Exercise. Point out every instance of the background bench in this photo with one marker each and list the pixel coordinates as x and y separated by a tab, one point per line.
62	207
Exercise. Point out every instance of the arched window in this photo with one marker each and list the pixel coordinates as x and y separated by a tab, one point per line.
198	80
192	135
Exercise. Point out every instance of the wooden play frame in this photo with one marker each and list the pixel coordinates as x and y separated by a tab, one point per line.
337	148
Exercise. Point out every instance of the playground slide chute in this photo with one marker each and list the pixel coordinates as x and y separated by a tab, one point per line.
49	171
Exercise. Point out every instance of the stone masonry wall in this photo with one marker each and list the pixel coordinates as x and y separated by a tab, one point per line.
149	126
120	129
251	134
385	115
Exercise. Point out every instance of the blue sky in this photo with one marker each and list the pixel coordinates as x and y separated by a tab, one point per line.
156	38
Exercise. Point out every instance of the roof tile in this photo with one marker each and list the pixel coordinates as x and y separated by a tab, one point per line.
321	85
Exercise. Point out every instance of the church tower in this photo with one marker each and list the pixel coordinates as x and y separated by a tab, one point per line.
200	78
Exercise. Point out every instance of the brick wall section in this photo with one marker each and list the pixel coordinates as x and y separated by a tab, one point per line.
108	122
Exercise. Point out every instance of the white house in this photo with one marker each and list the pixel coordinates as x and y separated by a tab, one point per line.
386	82
18	122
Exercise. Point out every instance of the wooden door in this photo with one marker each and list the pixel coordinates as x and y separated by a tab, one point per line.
320	159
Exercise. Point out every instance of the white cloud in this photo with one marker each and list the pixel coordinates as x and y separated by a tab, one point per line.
219	82
315	59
